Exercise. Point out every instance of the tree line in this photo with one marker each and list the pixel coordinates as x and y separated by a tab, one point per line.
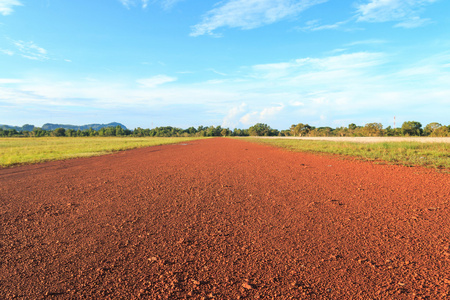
409	128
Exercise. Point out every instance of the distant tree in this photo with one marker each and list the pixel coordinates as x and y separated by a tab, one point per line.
341	131
70	132
59	132
441	131
274	132
355	130
373	129
225	132
412	128
430	128
259	129
388	131
322	131
138	132
101	131
213	131
285	132
240	132
192	131
300	129
91	132
352	126
119	131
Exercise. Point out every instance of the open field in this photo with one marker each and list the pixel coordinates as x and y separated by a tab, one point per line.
14	151
429	152
223	219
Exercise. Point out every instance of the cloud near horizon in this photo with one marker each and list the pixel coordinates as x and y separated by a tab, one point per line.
332	90
250	14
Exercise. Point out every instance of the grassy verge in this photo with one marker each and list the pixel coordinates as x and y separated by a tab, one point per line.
16	151
435	155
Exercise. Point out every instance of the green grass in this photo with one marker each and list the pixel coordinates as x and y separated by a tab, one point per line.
435	155
17	151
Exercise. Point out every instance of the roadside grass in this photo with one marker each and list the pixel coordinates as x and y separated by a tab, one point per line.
18	151
435	155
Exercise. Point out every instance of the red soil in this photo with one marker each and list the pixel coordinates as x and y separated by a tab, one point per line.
223	219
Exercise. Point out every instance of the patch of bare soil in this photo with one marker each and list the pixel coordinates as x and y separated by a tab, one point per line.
223	219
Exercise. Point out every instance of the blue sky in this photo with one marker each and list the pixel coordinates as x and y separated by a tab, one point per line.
234	63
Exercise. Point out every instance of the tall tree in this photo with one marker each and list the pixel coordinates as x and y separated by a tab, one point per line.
412	128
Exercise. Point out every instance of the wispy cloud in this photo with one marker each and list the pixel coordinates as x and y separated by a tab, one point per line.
30	50
166	4
406	12
7	52
331	90
314	25
6	6
367	42
155	81
327	67
217	72
249	14
129	3
9	81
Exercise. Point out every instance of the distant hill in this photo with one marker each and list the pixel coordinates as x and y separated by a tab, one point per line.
26	127
50	127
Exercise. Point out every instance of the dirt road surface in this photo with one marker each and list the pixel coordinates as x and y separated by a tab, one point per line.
223	219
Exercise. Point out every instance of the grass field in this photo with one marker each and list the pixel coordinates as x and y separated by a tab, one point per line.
435	155
17	151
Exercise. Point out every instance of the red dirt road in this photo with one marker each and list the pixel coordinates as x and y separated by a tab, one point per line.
223	219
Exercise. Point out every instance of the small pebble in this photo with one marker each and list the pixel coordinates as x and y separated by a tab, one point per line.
247	286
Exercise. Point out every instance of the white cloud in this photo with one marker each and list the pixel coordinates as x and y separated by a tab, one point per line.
233	115
313	68
404	11
30	50
296	103
7	52
217	72
127	3
249	14
314	25
6	6
9	81
265	115
413	22
155	81
367	42
166	4
321	91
